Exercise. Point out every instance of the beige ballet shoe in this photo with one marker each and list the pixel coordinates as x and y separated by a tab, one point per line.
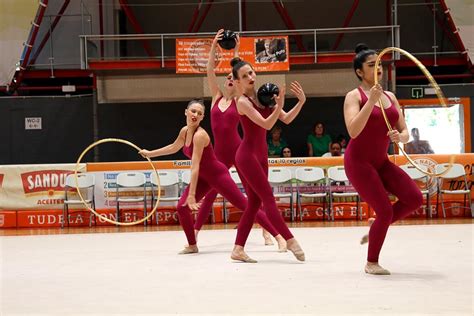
376	269
267	237
281	244
365	238
295	248
242	257
188	250
268	241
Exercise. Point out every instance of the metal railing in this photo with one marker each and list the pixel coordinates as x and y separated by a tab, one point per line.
391	39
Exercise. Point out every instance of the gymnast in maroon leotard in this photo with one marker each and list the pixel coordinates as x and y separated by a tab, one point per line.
365	159
252	154
224	122
206	173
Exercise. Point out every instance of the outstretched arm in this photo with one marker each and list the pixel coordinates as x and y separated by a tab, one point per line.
297	91
211	64
166	150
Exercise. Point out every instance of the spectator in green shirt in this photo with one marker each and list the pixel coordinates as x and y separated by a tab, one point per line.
318	142
275	142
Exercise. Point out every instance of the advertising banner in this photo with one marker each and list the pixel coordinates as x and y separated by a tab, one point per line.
265	54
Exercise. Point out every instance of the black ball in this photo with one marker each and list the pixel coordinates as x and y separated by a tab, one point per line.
228	40
265	94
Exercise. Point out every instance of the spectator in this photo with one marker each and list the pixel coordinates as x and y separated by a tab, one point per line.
417	146
286	152
341	139
318	142
275	142
334	150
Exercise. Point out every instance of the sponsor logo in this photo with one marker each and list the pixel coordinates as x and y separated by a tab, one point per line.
44	181
430	165
1	179
179	163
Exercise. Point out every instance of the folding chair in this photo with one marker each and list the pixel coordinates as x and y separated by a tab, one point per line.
236	178
278	178
337	174
308	185
419	176
169	185
129	182
86	183
457	171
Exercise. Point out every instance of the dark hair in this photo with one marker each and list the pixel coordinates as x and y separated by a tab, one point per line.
362	52
332	143
340	137
237	63
283	149
198	101
316	124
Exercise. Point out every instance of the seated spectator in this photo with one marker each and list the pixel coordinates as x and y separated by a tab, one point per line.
334	150
417	146
318	142
286	152
275	142
341	139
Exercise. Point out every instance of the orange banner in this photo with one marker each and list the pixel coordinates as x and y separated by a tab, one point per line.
263	53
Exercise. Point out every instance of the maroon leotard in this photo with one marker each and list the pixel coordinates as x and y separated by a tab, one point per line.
213	174
226	141
372	175
252	160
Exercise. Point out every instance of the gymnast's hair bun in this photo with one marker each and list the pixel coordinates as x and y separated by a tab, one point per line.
235	61
361	47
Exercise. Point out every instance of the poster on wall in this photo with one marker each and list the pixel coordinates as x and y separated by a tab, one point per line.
265	54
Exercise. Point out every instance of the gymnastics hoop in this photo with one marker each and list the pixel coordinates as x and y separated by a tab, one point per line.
438	91
116	140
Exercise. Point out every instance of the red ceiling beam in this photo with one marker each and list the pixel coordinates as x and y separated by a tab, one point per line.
438	77
99	65
130	65
203	17
47	34
289	23
58	73
348	19
427	62
195	16
136	26
47	88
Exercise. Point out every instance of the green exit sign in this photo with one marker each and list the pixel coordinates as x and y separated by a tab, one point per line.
417	93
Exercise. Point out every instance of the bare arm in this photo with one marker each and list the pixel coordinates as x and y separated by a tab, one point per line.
245	108
200	140
356	117
400	133
310	150
211	64
297	90
166	150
